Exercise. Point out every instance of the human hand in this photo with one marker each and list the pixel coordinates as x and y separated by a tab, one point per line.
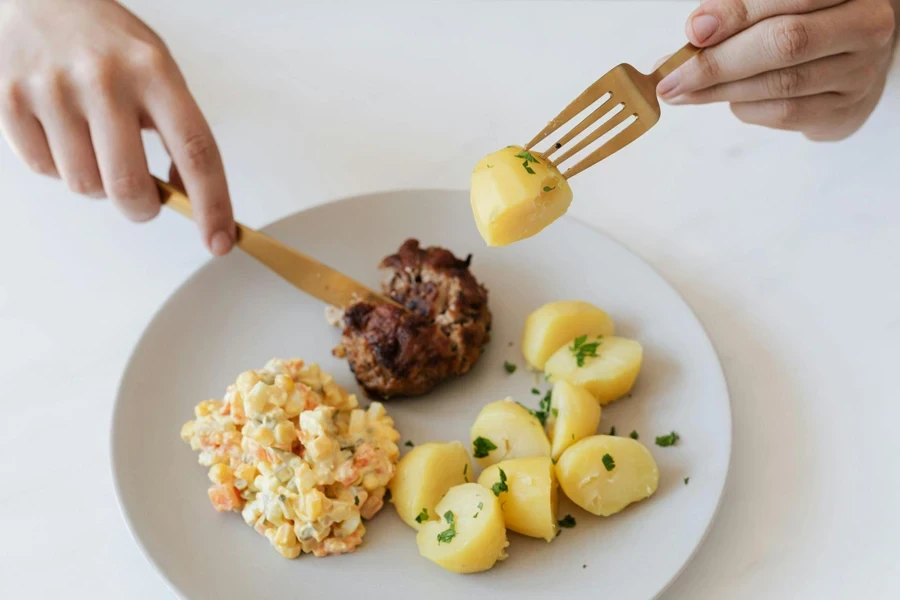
78	82
813	66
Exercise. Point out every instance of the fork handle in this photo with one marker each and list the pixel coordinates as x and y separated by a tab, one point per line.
687	52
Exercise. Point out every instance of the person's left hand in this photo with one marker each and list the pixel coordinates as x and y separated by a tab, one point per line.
814	66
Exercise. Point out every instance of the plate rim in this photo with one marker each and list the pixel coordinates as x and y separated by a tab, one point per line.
117	404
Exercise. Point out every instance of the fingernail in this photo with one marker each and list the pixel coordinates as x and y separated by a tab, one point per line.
220	243
667	86
704	26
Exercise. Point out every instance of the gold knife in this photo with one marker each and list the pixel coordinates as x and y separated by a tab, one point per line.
301	271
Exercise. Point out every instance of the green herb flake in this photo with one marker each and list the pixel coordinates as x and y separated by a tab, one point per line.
608	462
612	430
465	472
547	188
553	460
567	521
584	566
510	368
409	443
667	440
500	486
448	534
356	500
554	412
490	166
582	349
482	447
686	480
633	435
480	505
528	156
422	516
536	391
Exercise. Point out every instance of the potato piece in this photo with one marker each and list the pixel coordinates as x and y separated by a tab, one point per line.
574	415
504	430
515	197
423	477
603	474
470	535
529	504
608	376
557	323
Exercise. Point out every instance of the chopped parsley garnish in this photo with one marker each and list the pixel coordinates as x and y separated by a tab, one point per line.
500	486
543	407
667	440
567	521
612	430
465	472
529	158
510	368
449	533
409	443
423	516
480	505
490	166
633	435
356	500
608	462
553	460
686	479
547	188
554	412
584	566
582	349
482	447
536	391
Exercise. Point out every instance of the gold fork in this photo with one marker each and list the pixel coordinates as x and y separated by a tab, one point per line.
626	86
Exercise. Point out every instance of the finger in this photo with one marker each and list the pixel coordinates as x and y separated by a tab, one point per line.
717	20
123	164
773	44
831	74
24	133
196	156
794	114
69	137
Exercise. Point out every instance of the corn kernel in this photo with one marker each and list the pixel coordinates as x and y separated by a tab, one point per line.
285	535
294	405
285	433
284	383
220	473
255	399
245	472
263	436
376	410
370	481
357	421
314	504
264	467
246	381
187	431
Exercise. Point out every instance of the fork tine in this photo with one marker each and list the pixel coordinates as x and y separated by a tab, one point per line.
595	135
619	141
598	112
587	97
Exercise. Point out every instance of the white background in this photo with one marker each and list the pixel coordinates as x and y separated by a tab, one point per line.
788	251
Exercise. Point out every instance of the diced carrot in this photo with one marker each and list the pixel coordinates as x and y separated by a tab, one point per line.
225	497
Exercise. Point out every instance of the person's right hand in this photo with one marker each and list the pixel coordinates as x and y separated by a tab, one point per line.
78	82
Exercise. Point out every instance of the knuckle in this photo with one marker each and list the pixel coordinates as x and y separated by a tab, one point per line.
86	185
49	83
736	14
95	71
12	98
789	39
150	58
785	83
708	65
127	187
200	152
785	113
883	23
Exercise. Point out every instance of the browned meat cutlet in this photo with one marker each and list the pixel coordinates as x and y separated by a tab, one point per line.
398	353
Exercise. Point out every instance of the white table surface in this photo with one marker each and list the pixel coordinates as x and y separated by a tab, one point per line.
788	251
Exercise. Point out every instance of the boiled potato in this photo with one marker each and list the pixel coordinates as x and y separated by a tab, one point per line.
574	414
470	535
504	430
529	504
557	323
607	376
423	477
603	474
515	194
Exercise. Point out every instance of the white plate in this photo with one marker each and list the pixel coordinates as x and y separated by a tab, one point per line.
234	315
